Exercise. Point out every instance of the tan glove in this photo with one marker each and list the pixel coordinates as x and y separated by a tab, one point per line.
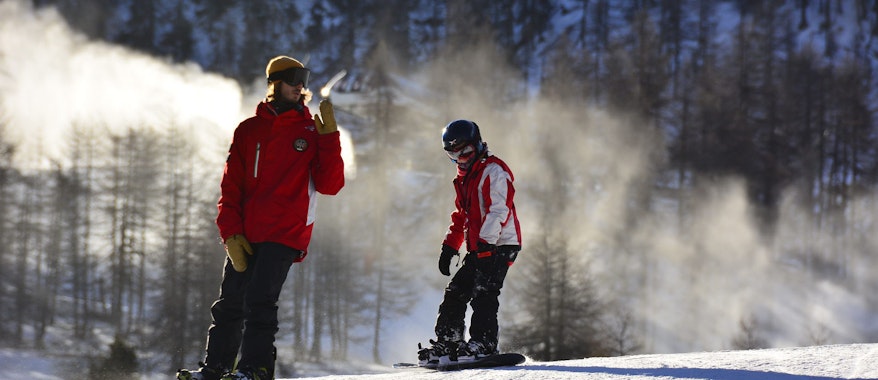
327	124
236	247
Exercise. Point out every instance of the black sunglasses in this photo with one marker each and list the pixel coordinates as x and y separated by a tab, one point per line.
292	76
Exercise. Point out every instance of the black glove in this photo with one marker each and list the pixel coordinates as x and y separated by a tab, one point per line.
445	259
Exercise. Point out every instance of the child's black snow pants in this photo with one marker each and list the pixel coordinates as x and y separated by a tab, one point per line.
478	284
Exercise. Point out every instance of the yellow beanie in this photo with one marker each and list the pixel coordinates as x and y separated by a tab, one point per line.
281	63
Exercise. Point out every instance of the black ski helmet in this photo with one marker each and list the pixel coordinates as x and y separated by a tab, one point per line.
463	143
460	133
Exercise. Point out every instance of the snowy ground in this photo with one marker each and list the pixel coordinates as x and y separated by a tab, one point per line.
857	361
852	361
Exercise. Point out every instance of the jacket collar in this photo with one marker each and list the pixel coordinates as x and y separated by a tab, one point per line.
267	110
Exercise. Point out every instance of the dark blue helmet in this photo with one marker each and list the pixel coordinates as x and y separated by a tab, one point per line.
460	133
462	142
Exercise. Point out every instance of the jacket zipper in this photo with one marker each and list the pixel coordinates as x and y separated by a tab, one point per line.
256	164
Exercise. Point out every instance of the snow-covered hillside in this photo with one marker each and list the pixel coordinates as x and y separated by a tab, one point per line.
850	361
855	361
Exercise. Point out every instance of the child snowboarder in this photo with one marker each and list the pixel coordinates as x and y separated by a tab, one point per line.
484	218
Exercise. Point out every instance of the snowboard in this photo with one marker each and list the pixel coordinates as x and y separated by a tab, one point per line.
412	366
499	360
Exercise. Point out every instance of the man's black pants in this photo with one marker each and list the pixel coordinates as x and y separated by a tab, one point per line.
245	315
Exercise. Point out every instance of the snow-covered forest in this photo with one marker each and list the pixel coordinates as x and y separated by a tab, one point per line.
691	175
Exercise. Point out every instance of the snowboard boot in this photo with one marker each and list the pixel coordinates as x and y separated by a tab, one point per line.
203	373
475	350
248	374
429	357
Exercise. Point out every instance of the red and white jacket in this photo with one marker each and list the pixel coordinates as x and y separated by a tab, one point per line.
484	206
276	166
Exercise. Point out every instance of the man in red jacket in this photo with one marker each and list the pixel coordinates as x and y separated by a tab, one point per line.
278	161
485	219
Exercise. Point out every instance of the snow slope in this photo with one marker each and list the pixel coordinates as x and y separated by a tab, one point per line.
849	361
854	361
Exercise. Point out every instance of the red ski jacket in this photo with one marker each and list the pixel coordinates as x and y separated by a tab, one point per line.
276	166
484	206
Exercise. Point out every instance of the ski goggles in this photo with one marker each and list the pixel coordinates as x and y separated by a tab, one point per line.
461	154
292	76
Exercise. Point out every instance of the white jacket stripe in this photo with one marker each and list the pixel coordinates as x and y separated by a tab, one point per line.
495	229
